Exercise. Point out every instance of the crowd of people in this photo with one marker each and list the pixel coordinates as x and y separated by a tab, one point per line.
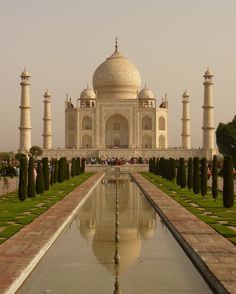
116	161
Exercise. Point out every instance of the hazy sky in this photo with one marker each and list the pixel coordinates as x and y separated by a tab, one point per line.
62	42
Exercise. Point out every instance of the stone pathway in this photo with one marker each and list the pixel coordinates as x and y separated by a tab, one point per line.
20	254
213	255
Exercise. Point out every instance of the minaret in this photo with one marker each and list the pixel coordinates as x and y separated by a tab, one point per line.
208	112
186	122
25	122
47	122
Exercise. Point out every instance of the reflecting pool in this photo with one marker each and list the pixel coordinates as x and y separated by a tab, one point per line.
82	258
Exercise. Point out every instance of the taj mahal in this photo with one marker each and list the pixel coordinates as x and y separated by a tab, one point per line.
116	118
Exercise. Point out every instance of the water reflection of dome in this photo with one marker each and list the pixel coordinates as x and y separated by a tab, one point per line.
104	247
137	220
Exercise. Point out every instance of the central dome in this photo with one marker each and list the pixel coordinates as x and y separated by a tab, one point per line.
117	78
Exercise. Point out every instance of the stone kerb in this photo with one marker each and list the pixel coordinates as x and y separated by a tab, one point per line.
212	254
21	253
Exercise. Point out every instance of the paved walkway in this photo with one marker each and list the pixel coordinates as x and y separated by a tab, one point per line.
20	253
214	255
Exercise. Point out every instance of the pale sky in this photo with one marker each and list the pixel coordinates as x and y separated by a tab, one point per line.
62	42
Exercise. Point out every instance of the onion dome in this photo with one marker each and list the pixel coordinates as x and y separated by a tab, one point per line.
145	94
87	94
116	78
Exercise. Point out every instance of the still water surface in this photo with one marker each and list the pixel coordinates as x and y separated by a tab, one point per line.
82	258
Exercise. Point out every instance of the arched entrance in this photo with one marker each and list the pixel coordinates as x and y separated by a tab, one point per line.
116	132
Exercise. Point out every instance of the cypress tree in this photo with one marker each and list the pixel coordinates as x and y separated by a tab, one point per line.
55	170
150	165
228	182
39	179
76	167
22	190
45	173
178	176
203	176
164	169
196	178
79	165
72	167
83	165
67	171
157	162
31	180
65	168
60	171
52	172
172	169
190	173
182	170
161	165
167	169
214	172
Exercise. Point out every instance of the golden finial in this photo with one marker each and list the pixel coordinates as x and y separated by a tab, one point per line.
116	45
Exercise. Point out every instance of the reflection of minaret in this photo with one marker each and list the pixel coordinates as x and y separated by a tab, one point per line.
185	122
47	122
25	122
208	112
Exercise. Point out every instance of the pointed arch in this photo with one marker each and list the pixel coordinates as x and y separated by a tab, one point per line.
146	123
87	123
116	132
146	141
162	123
162	142
86	141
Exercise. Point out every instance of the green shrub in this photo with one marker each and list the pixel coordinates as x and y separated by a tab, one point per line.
45	173
52	172
228	182
79	167
190	173
150	165
214	172
31	180
55	170
157	161
73	172
67	171
182	172
83	165
203	176
172	169
39	179
196	176
60	171
22	190
162	166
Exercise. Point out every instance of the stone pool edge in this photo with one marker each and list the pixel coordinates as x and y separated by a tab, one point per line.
189	232
22	252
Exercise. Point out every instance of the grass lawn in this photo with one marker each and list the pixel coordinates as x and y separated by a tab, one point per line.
15	214
212	212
